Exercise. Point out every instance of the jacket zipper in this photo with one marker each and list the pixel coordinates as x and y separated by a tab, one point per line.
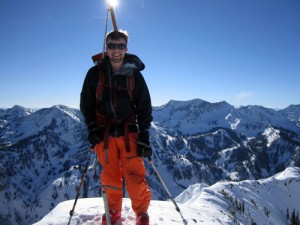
112	99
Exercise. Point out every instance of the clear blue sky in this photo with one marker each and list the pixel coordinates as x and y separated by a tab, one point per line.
246	52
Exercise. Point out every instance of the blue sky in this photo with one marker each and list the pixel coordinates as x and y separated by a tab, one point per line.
246	52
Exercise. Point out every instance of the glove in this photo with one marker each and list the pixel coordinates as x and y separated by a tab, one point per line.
144	149
96	134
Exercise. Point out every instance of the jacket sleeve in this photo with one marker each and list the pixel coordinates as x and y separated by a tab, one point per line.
88	95
142	102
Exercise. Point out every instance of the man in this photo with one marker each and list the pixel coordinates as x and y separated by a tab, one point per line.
118	112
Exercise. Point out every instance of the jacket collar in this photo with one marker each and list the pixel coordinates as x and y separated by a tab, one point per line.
131	62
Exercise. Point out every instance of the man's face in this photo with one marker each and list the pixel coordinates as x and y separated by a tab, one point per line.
116	50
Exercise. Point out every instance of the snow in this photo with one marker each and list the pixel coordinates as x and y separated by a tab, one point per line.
202	204
89	211
271	135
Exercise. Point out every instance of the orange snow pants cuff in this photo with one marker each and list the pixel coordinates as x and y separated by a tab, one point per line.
116	162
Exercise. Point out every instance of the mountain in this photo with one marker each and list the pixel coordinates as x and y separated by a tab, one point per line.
292	113
200	142
40	151
43	152
245	202
195	116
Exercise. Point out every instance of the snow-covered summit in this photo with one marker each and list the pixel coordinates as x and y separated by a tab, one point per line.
293	113
16	111
200	116
266	201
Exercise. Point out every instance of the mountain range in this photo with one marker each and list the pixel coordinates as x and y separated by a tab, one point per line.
43	151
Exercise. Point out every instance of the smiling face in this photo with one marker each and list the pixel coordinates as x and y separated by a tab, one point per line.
116	50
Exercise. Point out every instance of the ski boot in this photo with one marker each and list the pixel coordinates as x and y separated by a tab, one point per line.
142	218
115	215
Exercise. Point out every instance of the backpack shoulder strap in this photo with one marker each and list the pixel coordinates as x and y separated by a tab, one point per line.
101	83
101	80
130	85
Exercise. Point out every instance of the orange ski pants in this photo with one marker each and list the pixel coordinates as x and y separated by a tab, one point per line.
116	162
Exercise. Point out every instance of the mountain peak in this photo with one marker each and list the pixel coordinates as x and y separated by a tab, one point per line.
18	111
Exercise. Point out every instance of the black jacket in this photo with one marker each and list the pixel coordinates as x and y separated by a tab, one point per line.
140	103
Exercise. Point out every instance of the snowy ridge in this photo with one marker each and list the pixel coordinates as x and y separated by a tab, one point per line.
200	116
292	112
26	122
246	202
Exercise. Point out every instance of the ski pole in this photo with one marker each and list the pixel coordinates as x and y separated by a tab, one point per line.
80	185
170	196
106	207
98	57
105	200
112	14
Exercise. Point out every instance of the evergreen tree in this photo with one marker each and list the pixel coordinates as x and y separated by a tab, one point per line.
243	207
293	218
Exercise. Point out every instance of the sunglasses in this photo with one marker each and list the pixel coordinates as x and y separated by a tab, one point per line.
119	46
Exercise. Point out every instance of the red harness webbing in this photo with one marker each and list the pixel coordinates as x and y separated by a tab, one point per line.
108	122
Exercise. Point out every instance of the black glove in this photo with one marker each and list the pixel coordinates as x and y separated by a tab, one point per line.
96	134
144	149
